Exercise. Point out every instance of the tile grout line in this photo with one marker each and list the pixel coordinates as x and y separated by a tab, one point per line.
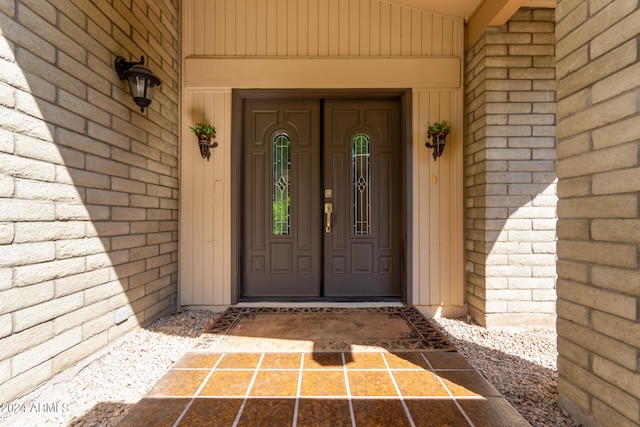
455	400
298	390
246	395
346	384
395	385
193	398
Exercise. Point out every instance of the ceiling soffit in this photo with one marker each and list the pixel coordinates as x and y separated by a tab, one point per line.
479	14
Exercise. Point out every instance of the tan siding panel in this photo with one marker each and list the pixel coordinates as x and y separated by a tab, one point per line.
364	35
334	28
421	193
436	34
354	28
186	224
444	223
375	32
416	33
220	28
323	28
287	28
435	213
427	34
205	204
406	28
312	28
303	30
251	27
456	201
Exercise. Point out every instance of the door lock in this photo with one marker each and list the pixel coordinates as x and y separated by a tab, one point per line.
328	210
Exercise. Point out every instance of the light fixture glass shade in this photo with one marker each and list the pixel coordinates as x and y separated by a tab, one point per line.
142	81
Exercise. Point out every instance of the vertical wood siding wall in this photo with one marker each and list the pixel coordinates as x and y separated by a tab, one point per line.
320	29
308	28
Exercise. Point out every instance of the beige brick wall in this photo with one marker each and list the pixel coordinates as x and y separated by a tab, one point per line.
598	72
88	183
510	173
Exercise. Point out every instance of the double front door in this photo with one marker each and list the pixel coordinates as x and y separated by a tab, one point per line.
321	214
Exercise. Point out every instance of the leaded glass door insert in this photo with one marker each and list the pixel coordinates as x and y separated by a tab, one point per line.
360	154
281	162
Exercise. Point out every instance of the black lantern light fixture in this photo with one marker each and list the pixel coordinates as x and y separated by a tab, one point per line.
142	81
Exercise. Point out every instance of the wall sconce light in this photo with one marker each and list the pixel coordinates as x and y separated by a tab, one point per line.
141	80
437	133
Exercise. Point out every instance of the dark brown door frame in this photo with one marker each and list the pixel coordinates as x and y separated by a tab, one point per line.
238	98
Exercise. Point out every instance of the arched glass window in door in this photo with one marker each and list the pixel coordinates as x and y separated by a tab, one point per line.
360	153
281	160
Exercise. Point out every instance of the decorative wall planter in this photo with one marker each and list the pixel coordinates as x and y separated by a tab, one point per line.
439	141
205	133
437	133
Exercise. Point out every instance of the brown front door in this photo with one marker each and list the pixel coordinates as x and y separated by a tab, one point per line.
361	169
321	199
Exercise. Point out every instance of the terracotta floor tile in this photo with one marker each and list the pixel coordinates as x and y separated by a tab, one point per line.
228	383
366	361
406	361
281	361
379	412
492	412
333	389
419	383
275	383
323	383
323	361
211	412
268	412
467	383
239	361
179	383
448	360
154	412
371	383
435	413
324	413
197	361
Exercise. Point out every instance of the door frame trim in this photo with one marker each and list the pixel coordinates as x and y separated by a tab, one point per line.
237	104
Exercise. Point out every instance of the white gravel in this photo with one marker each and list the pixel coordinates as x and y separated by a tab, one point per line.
521	365
102	392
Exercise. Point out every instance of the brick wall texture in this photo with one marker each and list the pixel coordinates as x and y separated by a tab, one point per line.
88	183
598	75
510	168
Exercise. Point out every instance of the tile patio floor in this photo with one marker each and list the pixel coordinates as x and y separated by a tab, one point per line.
323	389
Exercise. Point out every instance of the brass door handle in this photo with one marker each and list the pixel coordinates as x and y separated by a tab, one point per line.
328	210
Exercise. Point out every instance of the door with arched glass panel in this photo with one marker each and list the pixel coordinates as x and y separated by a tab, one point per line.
321	205
361	172
281	244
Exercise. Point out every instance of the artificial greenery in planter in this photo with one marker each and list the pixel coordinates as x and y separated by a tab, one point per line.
437	133
205	133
